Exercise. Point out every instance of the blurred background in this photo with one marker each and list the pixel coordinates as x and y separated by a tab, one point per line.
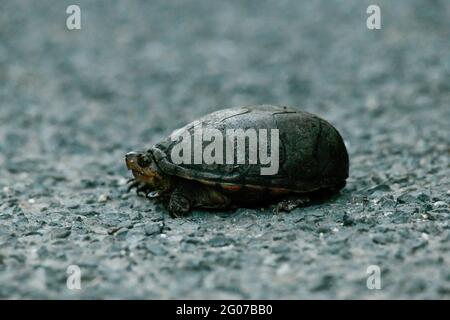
73	102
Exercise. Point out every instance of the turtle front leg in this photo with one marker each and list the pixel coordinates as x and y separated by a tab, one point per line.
132	183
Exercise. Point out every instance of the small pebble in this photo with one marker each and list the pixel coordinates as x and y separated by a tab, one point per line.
121	233
220	241
347	220
59	233
284	269
153	228
73	205
103	198
156	249
440	204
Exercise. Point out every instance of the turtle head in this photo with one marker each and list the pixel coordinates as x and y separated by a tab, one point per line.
145	170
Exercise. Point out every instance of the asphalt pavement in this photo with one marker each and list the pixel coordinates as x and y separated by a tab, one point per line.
73	102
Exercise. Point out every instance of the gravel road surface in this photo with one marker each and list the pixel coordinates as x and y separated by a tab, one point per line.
72	103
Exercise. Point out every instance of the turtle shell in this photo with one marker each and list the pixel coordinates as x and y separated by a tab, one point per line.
312	154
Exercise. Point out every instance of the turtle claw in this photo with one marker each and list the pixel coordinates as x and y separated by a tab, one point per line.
133	184
153	194
139	186
143	188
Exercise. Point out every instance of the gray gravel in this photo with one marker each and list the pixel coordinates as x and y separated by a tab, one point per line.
72	103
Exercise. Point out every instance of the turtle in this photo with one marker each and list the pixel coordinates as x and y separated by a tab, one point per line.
312	159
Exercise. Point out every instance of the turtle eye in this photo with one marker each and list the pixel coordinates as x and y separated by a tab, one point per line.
143	161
